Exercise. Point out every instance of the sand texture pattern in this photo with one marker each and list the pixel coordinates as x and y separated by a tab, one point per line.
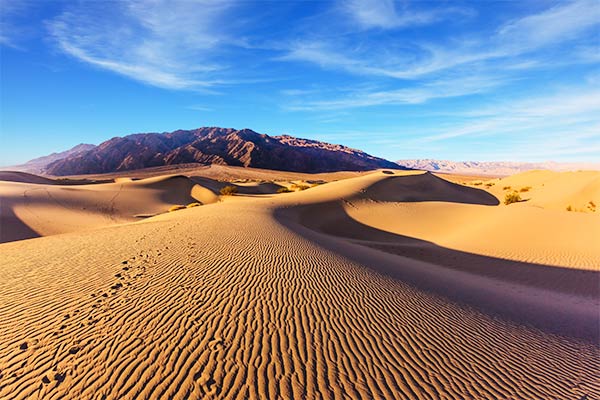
346	290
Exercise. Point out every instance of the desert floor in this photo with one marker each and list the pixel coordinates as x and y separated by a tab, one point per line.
389	284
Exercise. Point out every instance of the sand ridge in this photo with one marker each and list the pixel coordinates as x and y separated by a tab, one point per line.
250	298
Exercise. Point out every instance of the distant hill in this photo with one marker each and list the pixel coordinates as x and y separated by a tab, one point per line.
224	146
495	168
38	165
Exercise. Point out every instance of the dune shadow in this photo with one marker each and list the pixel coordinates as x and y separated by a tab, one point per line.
258	189
12	228
330	220
252	189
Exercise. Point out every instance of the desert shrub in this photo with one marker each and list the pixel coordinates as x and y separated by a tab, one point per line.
477	183
525	189
506	188
193	205
513	197
592	206
569	208
300	186
283	190
175	208
229	190
388	172
490	184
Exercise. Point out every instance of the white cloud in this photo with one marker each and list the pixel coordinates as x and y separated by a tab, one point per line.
558	24
199	107
11	32
516	38
565	123
161	43
384	14
455	86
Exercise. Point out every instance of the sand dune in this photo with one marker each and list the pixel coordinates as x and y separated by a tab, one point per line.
363	288
31	210
413	206
33	206
223	173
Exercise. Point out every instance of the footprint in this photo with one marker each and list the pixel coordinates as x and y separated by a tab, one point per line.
59	377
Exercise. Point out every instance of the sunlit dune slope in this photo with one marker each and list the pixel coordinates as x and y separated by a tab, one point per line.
562	191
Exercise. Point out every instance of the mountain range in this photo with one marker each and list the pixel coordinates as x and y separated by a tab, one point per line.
209	145
492	168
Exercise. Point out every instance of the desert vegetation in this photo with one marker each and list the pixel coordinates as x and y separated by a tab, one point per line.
193	205
589	207
283	190
525	189
513	197
229	190
300	186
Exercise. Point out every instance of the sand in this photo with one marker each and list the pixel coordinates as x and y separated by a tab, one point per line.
375	286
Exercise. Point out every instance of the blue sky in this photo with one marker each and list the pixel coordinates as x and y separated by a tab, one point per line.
485	80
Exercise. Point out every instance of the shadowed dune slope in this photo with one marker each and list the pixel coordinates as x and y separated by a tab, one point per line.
241	300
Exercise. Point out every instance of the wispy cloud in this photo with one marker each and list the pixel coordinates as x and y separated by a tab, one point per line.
199	107
557	24
161	43
517	37
422	93
385	14
416	73
558	124
11	11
